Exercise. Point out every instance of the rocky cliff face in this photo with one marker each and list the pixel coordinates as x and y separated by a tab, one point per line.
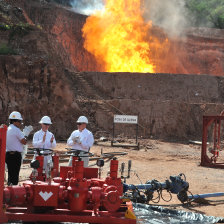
169	106
35	88
47	73
63	27
33	78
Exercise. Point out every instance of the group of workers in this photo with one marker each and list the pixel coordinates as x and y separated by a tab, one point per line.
81	139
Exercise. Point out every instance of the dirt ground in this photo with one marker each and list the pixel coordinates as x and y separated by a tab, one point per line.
159	160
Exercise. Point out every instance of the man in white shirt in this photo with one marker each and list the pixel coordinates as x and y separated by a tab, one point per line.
44	139
81	139
14	147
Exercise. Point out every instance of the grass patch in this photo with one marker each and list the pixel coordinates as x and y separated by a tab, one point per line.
6	50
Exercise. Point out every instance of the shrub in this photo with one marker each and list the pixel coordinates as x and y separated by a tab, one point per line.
207	12
6	50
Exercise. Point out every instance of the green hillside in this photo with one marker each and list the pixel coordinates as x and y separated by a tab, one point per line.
207	12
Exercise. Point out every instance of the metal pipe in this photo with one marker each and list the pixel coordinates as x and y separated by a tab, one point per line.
209	195
144	186
214	133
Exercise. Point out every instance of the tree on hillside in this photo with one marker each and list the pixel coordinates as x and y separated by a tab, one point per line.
207	11
63	2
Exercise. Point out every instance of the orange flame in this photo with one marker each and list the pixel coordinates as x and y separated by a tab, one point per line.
117	37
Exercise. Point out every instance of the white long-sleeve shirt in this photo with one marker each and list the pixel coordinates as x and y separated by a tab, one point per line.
38	140
85	137
38	143
14	136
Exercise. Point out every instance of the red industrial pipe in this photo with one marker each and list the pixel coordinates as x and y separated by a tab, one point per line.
71	198
113	180
55	170
79	170
209	122
113	168
78	188
3	131
41	176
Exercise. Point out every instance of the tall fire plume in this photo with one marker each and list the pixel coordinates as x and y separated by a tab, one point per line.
119	38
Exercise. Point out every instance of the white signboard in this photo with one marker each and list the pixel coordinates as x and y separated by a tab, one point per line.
127	119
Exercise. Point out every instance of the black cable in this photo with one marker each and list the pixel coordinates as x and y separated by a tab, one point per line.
188	201
166	200
182	174
137	177
192	199
158	197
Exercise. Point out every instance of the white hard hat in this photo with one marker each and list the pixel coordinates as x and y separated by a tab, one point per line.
82	119
15	116
45	120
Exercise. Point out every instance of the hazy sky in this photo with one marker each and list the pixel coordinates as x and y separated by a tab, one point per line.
87	7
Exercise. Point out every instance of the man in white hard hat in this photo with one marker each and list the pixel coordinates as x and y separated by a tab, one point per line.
14	147
81	139
44	139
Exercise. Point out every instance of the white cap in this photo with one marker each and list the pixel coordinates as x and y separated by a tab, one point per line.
45	120
82	119
15	116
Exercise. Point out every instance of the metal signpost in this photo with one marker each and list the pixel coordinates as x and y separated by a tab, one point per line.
125	119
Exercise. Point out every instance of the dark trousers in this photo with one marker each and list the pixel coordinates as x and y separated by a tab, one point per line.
13	161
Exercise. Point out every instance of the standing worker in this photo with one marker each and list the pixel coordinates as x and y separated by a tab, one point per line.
14	147
81	139
44	139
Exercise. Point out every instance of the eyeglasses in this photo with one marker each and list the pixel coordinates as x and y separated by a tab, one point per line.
80	123
46	124
15	120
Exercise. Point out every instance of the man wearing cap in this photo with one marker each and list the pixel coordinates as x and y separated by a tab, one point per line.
81	139
14	147
44	139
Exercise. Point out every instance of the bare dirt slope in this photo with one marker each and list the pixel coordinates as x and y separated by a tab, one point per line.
160	160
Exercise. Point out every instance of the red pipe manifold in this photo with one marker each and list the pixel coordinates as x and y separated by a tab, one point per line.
77	194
